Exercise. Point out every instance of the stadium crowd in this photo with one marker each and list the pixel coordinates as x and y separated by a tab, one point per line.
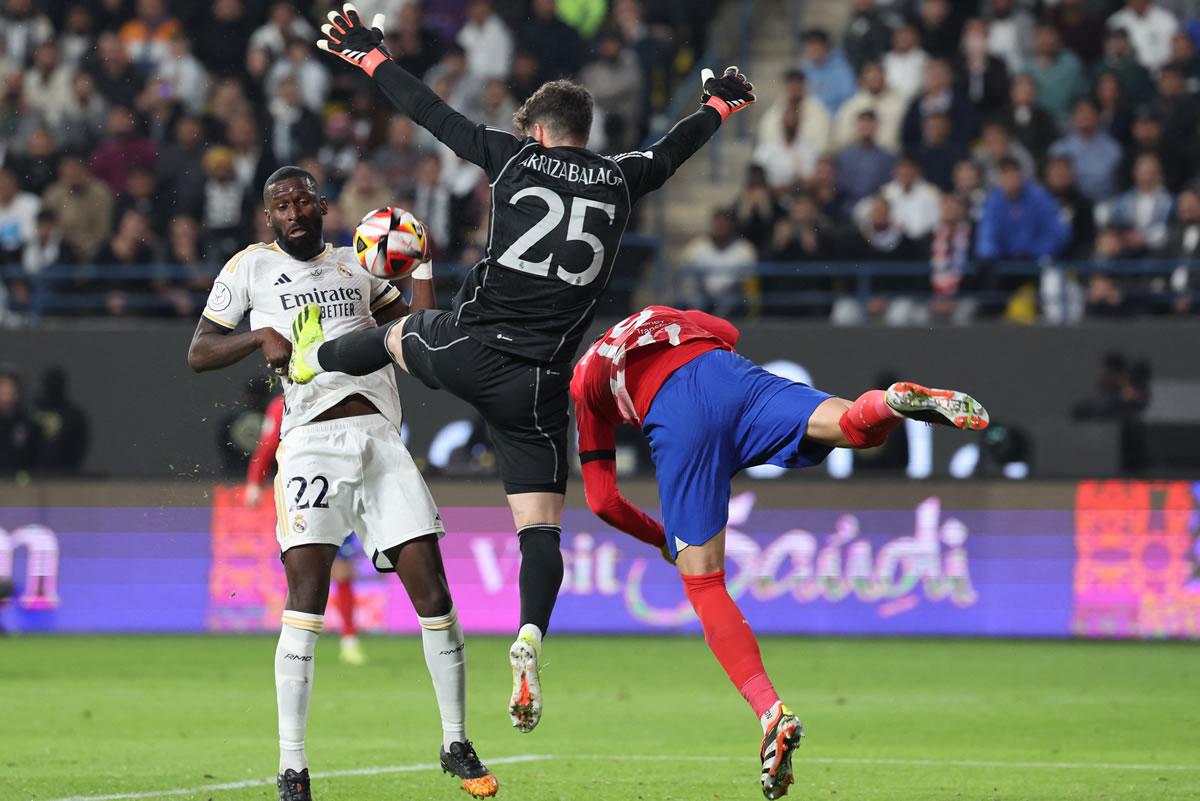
135	135
962	135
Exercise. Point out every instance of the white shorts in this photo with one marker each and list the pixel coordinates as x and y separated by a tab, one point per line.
351	474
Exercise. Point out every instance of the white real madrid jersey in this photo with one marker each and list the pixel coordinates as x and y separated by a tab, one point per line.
273	287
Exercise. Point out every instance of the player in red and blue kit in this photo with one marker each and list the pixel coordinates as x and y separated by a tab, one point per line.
710	413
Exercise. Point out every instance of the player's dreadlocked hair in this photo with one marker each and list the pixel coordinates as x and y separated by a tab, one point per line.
284	173
564	107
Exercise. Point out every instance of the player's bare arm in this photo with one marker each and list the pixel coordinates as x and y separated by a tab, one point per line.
214	347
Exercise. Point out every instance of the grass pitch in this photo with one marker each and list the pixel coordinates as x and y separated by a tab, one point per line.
626	719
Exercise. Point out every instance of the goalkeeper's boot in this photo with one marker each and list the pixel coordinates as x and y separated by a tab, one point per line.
783	735
525	708
294	786
307	336
944	407
462	761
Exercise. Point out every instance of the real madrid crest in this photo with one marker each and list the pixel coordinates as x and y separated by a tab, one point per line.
299	524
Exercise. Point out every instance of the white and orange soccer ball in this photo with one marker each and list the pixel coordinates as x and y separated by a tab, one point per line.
390	243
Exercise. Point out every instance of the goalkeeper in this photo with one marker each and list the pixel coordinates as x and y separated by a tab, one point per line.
559	211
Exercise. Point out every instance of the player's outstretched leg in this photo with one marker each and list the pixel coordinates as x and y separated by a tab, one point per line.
307	337
540	580
357	353
734	645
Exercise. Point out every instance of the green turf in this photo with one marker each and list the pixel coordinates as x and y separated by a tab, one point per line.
887	720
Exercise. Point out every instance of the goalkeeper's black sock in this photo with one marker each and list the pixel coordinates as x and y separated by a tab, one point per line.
541	573
360	353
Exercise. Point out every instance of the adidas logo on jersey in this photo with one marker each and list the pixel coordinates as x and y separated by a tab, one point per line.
283	279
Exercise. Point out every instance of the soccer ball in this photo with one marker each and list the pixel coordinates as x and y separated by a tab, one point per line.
390	243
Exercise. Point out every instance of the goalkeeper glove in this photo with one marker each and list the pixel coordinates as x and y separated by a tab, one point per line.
728	94
350	40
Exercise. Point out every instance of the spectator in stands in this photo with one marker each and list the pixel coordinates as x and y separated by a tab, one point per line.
876	96
981	77
717	262
38	166
181	168
1148	137
433	203
1095	155
48	83
615	81
63	425
486	40
881	238
1150	28
185	251
252	164
1020	220
1142	213
227	205
363	193
558	46
1030	124
523	80
914	202
84	206
1107	294
829	75
124	148
23	29
43	252
815	122
227	30
83	117
880	235
396	158
130	247
1010	34
968	185
283	25
868	34
1179	109
20	436
939	26
184	74
1074	208
1116	116
147	35
1119	58
1057	72
803	235
904	65
1183	243
414	45
117	78
295	131
788	158
938	153
311	75
1081	31
339	154
1186	60
18	213
994	145
950	256
939	97
455	84
863	167
756	209
78	34
141	195
823	187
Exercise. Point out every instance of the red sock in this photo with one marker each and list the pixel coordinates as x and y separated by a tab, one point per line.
867	423
729	637
344	599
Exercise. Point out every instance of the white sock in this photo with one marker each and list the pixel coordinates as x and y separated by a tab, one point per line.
294	663
766	718
534	632
445	656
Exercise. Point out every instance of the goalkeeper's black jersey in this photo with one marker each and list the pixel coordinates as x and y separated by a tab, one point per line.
556	222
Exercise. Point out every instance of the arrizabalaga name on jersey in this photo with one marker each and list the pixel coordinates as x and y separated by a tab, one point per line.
570	171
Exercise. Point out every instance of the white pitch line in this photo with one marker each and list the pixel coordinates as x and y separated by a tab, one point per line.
331	774
927	763
935	763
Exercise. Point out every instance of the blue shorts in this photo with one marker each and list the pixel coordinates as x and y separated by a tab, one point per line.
350	547
712	418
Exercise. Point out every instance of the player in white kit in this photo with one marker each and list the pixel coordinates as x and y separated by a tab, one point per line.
342	465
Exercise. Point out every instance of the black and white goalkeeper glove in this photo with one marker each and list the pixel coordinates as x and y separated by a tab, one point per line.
350	40
728	94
